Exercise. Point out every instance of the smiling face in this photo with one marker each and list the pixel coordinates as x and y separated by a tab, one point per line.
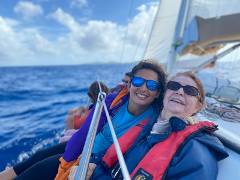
126	78
179	104
141	97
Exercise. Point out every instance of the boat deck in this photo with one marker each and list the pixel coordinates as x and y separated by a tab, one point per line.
229	167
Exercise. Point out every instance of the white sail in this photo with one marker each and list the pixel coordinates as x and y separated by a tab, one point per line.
164	29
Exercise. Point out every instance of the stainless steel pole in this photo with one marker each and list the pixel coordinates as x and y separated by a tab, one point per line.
215	58
87	150
88	103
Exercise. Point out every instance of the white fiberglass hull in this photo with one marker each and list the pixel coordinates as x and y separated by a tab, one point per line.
228	168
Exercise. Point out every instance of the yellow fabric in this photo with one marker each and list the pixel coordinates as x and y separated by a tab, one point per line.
117	99
65	168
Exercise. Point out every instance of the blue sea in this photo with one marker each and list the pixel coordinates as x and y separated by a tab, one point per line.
34	102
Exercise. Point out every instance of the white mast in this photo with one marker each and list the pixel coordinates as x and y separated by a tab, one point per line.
178	32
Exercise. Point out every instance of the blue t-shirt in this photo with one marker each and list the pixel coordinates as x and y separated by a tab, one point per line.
122	122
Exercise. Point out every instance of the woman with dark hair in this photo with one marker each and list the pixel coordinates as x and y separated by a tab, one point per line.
75	120
127	108
125	81
134	103
176	146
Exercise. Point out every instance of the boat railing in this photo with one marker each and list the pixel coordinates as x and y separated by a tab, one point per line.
88	103
87	150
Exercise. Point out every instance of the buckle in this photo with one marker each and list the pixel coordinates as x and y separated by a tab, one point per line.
115	171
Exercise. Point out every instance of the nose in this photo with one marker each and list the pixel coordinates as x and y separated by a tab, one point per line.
144	87
180	91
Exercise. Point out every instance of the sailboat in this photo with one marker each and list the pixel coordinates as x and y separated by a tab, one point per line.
189	34
192	35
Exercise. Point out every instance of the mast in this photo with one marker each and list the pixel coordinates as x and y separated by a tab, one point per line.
178	33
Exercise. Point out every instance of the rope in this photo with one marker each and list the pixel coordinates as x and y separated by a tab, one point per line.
148	22
209	115
215	110
126	32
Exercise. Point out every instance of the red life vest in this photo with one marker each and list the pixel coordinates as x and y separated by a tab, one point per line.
156	161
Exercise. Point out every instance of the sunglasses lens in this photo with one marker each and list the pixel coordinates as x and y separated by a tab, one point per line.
137	81
173	85
152	85
190	90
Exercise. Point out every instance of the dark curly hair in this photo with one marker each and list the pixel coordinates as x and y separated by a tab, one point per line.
93	91
162	76
128	74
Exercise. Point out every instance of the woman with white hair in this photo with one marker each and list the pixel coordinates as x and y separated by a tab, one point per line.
173	146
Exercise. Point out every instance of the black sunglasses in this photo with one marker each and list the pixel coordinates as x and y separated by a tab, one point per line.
151	85
125	81
190	90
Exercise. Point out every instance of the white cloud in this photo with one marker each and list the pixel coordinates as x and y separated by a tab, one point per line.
143	7
154	3
95	41
83	5
78	3
9	46
11	22
65	19
95	36
28	10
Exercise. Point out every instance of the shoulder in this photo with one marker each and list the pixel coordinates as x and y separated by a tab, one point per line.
112	95
205	143
194	160
213	143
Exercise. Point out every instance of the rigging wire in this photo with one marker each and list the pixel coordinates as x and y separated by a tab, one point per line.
125	37
126	32
217	15
151	30
139	42
233	63
121	160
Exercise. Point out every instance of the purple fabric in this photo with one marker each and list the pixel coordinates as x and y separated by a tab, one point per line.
76	142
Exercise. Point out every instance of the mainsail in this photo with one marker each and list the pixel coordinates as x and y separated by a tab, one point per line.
188	33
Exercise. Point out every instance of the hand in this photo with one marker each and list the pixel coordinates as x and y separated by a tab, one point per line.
81	110
91	168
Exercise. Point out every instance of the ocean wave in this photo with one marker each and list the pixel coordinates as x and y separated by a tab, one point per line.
31	146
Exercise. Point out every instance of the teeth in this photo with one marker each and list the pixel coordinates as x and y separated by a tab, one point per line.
177	101
142	96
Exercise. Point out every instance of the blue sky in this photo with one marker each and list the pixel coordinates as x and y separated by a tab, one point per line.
68	32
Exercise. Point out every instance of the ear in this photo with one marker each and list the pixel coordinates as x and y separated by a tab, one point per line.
129	86
197	107
158	93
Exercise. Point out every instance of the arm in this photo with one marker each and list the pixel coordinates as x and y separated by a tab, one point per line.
72	111
70	119
81	110
78	120
91	168
96	158
75	144
195	161
94	161
69	122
